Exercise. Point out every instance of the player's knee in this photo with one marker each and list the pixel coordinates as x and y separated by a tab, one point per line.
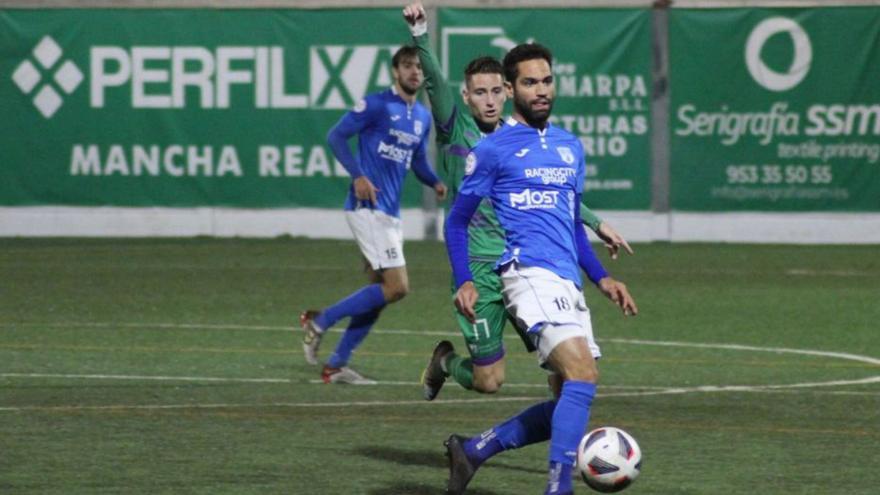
592	375
587	374
487	386
395	292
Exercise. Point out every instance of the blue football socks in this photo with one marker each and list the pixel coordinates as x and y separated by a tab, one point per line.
559	472
563	422
530	426
363	300
570	420
357	330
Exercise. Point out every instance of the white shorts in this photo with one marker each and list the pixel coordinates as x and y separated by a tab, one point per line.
379	236
548	307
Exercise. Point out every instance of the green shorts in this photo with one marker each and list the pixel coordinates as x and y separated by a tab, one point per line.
484	337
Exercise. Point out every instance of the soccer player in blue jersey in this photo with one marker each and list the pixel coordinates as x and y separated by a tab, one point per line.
392	129
459	128
533	173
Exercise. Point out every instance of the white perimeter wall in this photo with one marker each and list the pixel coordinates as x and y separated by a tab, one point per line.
636	226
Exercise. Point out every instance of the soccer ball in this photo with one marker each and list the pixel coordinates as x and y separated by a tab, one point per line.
609	459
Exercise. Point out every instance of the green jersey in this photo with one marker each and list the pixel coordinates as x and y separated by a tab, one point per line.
457	133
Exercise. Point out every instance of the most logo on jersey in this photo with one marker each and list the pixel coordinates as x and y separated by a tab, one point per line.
529	199
393	153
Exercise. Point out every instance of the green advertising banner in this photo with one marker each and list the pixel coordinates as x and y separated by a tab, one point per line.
602	68
775	109
208	107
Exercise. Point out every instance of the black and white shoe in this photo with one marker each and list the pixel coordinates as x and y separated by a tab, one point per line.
461	470
313	334
433	376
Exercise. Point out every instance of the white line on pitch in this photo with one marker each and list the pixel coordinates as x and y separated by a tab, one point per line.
382	403
822	392
643	393
210	379
744	388
825	273
738	347
510	335
148	378
669	391
512	385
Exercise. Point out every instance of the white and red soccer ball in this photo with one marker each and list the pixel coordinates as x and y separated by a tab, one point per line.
609	459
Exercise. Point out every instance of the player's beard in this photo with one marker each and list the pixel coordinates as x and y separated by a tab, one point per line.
535	118
409	88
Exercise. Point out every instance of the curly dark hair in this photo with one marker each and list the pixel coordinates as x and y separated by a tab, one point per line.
521	53
405	51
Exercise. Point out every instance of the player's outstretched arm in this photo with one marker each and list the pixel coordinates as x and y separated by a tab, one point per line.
441	96
613	241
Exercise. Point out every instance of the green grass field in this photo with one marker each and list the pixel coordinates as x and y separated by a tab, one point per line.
169	366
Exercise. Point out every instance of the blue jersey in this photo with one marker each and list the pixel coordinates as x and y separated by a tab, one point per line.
392	137
533	178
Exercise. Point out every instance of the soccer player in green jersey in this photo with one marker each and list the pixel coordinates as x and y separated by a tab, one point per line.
458	131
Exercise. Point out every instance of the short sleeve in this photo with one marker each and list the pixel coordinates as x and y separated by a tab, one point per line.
480	170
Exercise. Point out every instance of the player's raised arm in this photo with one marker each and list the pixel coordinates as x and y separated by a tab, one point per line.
441	96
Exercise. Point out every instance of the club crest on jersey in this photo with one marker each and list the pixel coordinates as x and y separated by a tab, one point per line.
470	164
360	106
417	127
566	154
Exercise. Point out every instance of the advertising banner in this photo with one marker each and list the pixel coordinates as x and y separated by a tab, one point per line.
602	69
184	108
775	109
